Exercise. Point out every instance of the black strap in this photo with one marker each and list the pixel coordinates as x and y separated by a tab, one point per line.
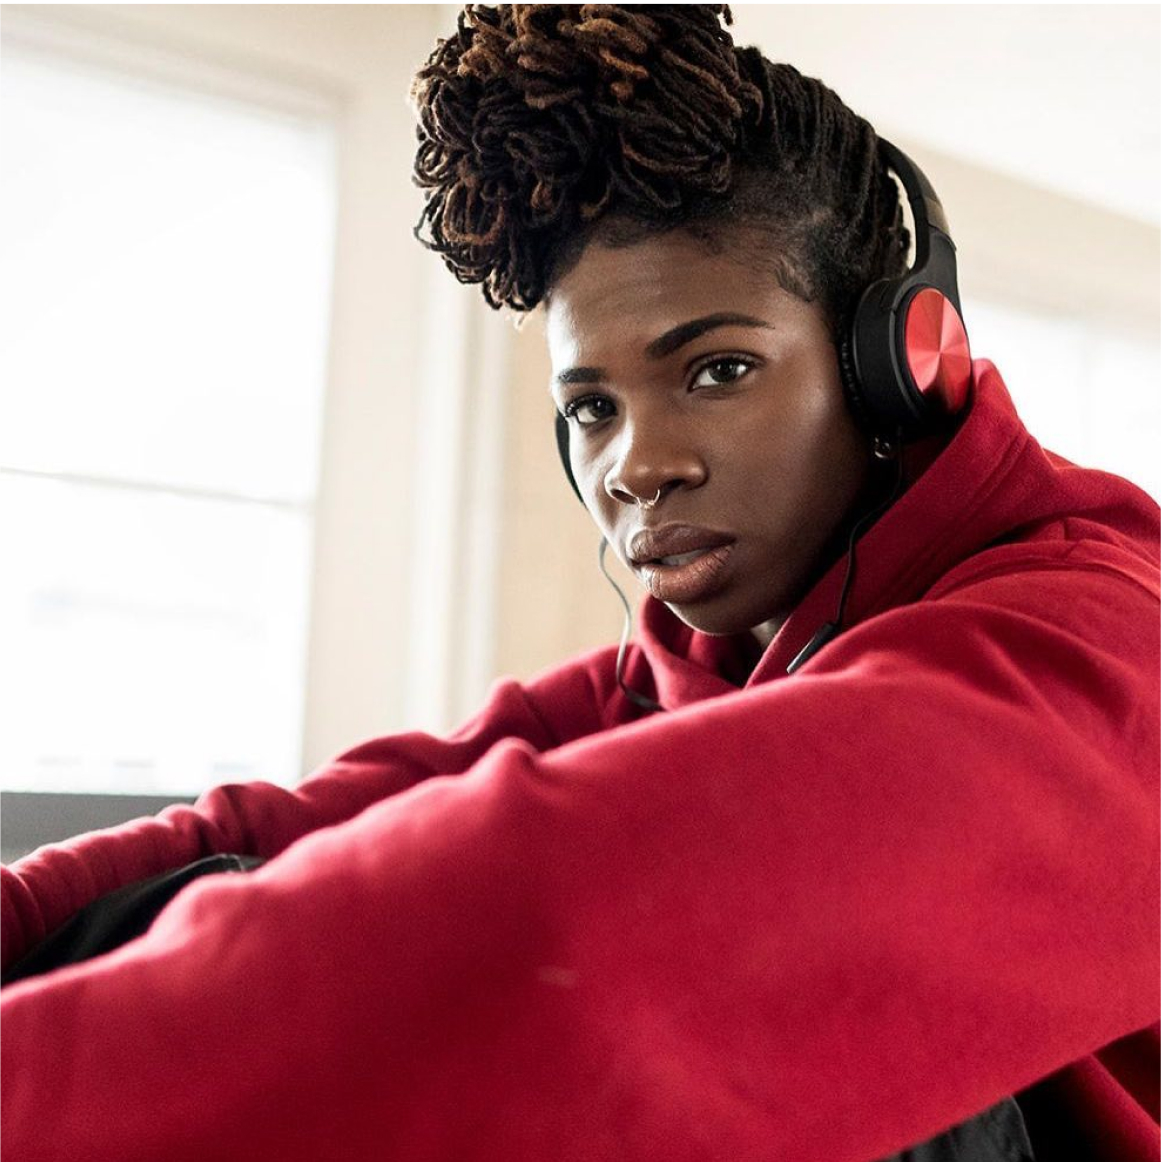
996	1135
118	917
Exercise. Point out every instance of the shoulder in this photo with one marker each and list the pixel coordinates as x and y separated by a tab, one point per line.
1057	555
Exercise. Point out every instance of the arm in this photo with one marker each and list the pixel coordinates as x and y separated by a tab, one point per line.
40	892
824	917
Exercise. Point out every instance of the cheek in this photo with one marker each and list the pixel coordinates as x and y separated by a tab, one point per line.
592	458
589	472
842	456
807	463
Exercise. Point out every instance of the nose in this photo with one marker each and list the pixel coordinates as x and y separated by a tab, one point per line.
654	458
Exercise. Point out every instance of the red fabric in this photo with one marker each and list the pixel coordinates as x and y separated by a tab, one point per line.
823	916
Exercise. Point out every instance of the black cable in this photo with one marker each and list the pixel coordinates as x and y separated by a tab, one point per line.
831	629
637	699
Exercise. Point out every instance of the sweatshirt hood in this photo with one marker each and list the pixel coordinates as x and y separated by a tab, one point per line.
989	482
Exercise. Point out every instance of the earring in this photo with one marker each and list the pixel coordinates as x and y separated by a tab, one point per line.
884	448
648	504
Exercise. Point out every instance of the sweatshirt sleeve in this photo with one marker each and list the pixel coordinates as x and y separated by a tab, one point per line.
38	893
826	917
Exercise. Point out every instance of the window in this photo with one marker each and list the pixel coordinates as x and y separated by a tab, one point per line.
1086	392
165	301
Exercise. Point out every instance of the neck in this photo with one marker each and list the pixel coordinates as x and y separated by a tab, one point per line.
764	633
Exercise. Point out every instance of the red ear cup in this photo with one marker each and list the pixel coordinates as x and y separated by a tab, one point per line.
935	348
905	363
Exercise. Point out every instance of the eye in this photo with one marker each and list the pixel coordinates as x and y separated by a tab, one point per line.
589	409
724	369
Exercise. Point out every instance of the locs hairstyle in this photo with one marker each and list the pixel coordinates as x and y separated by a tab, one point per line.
543	127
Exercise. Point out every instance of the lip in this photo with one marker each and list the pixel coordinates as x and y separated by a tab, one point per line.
680	584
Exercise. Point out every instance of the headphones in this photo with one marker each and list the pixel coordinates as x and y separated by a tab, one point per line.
904	361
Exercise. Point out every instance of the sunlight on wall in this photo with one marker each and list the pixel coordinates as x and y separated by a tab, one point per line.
1085	392
165	307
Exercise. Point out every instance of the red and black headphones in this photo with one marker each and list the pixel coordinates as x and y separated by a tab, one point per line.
905	363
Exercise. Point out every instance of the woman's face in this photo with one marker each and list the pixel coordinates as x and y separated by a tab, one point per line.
694	382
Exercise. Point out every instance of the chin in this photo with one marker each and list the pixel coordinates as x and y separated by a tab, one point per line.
722	621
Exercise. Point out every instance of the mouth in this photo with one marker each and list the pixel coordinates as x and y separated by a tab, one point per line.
680	559
680	564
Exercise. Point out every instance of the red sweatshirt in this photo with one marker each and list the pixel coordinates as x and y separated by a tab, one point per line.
820	916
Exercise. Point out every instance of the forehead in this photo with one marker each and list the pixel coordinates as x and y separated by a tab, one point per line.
631	294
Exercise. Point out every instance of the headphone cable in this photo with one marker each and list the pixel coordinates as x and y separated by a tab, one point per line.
830	629
637	699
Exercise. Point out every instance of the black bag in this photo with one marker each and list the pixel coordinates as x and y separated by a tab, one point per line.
118	917
996	1135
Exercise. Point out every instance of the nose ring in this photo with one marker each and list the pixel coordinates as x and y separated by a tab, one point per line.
648	504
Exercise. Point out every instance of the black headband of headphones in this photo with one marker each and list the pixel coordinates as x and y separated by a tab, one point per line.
904	359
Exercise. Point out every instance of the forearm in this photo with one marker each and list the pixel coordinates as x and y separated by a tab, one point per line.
260	819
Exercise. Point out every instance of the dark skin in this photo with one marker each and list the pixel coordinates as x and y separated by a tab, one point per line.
737	426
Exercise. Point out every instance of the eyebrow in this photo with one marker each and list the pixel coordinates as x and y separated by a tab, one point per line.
666	344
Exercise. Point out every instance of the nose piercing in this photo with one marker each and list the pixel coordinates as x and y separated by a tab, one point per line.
648	504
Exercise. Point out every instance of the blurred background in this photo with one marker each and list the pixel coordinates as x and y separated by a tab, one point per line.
272	482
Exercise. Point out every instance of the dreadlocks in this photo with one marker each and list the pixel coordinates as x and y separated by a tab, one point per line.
544	127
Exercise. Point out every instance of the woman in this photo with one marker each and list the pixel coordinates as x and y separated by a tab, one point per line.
857	840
